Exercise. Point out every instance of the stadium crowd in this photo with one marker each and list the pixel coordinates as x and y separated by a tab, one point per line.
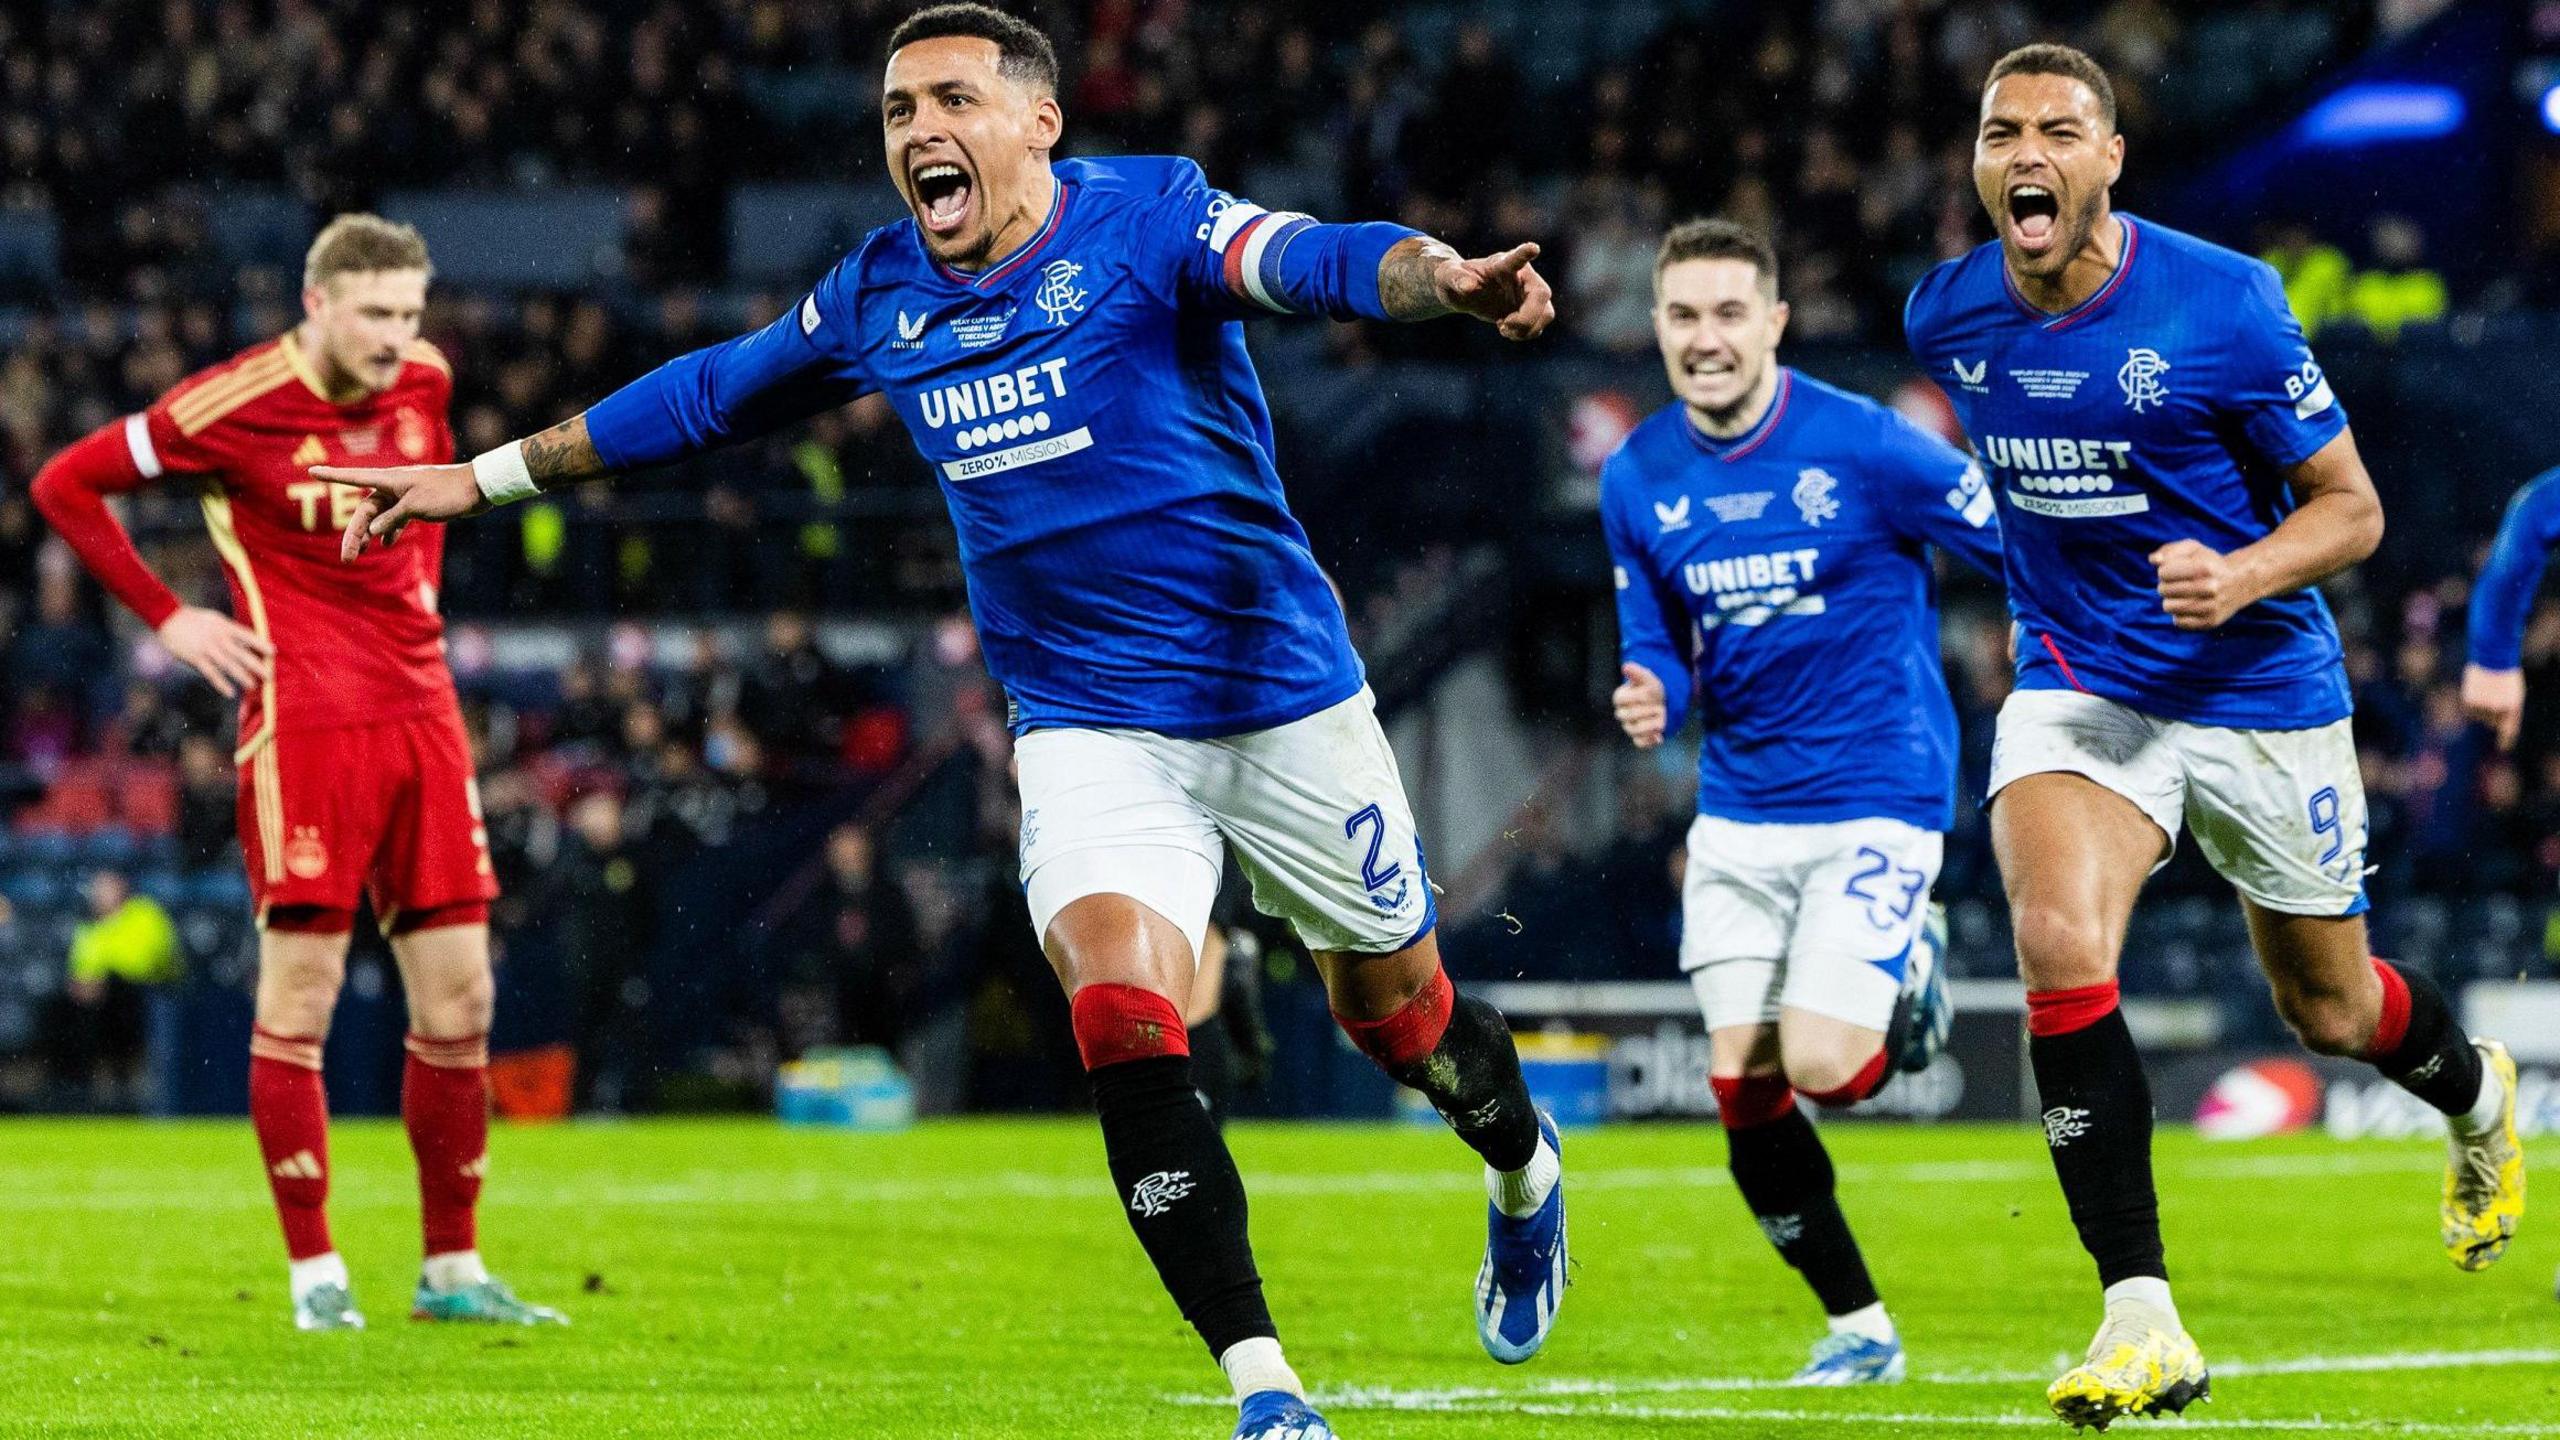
611	775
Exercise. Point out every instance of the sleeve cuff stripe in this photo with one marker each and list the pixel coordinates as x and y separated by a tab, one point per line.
1262	247
137	440
1235	217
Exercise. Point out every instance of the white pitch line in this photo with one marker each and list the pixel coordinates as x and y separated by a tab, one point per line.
1383	1397
806	1188
2002	1421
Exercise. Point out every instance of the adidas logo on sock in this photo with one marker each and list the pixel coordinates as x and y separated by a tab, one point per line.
300	1165
477	1168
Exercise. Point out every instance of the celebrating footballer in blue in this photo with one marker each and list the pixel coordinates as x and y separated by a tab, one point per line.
2174	474
2501	601
1772	541
1063	341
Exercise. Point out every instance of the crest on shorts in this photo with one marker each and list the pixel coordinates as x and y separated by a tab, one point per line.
305	857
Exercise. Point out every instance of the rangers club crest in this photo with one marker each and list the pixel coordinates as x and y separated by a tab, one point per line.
2140	378
1155	1194
1813	496
1059	296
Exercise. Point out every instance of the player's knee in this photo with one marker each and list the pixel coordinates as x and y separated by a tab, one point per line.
1116	1024
2061	947
1826	1071
462	1003
1407	1035
2327	1024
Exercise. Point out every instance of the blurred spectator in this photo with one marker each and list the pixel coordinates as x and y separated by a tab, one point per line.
208	803
850	952
597	899
127	948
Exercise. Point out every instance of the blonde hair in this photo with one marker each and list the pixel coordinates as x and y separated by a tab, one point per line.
358	244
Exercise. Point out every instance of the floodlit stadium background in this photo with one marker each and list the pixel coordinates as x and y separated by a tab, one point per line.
746	780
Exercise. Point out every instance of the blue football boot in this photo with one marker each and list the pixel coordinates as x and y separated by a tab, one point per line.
1523	1279
1853	1360
1279	1415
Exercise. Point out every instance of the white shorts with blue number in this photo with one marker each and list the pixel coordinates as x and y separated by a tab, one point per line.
1809	917
2280	813
1314	809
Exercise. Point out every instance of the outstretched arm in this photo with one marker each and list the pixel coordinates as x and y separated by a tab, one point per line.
1290	263
71	491
1424	279
716	396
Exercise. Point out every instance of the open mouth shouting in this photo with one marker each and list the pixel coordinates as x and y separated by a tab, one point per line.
2035	218
945	194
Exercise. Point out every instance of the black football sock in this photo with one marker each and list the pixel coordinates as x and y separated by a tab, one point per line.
2420	1046
2097	1124
1457	1051
1183	1195
1785	1176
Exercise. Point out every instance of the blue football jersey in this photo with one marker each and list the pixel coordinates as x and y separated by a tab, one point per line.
1098	432
2502	598
2168	406
1791	562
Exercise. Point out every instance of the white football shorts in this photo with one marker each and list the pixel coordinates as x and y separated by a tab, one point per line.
1809	917
1314	808
2279	813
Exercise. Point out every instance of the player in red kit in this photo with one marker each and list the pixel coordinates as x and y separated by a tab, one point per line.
355	773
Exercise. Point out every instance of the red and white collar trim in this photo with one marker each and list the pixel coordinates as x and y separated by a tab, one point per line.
2088	307
1013	263
1753	438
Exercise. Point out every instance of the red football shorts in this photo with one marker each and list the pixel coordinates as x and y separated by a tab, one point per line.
389	810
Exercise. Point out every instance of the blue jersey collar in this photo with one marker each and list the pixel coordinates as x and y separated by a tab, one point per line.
1011	264
1751	439
2086	308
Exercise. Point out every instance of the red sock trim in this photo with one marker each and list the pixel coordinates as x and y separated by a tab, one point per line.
1745	1101
298	1050
2060	1012
1869	1079
1409	1035
462	1052
2393	1027
1116	1023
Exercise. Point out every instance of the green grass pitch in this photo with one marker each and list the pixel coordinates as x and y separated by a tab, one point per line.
975	1279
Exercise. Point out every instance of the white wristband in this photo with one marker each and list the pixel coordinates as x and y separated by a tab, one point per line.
502	476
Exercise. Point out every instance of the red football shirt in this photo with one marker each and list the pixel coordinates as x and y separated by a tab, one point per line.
355	643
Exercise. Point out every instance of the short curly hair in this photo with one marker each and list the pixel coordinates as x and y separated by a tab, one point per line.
2059	60
1023	54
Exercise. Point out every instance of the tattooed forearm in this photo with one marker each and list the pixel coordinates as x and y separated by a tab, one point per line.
1405	285
562	454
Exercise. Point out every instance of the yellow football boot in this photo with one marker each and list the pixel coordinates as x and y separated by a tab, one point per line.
2484	1176
2142	1363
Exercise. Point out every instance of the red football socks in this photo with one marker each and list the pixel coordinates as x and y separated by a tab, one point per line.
444	1100
289	1109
